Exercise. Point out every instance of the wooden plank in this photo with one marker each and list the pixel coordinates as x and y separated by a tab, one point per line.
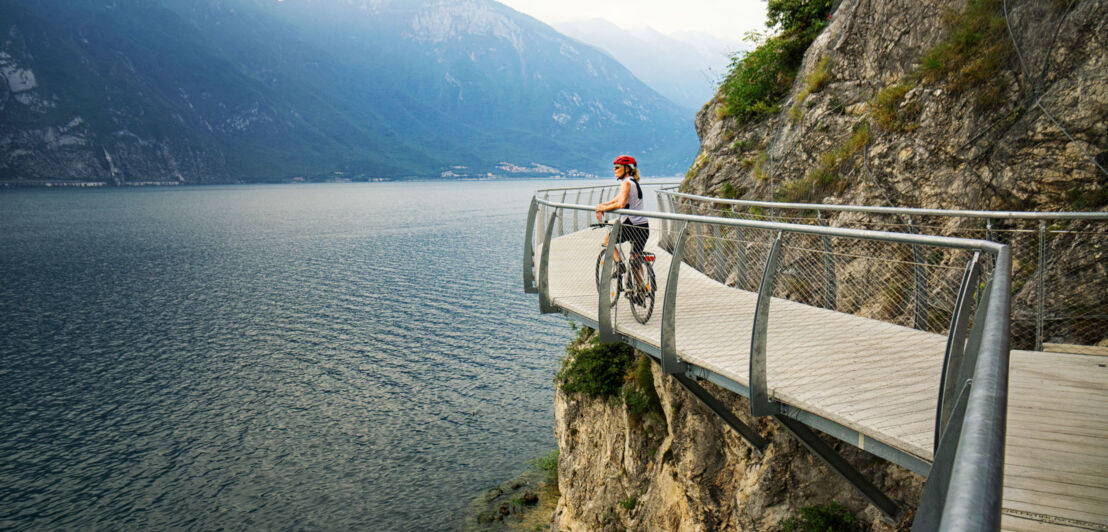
1076	349
1066	507
1045	472
1085	498
1014	521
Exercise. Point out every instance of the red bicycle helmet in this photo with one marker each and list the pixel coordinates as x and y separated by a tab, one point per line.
625	160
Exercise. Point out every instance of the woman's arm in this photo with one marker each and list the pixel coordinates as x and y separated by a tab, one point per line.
617	203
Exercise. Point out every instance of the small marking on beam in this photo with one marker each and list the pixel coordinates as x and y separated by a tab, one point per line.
861	441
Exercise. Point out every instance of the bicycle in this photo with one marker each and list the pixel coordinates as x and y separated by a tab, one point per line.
639	290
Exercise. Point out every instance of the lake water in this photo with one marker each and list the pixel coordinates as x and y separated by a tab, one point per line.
340	356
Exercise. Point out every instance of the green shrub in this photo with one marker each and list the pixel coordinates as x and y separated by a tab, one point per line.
629	503
728	191
639	393
548	464
756	82
830	517
798	16
593	368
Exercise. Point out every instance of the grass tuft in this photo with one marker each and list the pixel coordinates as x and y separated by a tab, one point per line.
824	177
974	51
889	111
814	82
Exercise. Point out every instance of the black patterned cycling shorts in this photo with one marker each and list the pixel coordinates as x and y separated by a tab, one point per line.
635	234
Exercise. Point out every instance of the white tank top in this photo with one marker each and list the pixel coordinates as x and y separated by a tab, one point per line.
634	202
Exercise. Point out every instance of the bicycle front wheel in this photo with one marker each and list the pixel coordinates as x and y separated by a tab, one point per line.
641	294
613	284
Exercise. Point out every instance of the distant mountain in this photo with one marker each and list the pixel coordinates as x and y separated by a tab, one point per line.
247	90
684	67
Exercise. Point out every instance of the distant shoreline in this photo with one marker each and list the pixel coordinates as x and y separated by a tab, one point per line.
33	183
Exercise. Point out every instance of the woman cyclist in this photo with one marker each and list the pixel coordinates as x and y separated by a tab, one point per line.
633	229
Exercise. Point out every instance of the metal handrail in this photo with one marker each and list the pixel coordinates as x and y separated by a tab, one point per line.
966	474
907	211
866	234
1031	307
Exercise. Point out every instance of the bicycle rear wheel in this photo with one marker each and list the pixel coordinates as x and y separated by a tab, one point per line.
613	284
641	295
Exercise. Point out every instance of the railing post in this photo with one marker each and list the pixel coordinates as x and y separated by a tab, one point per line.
988	228
920	320
561	219
546	306
670	223
700	244
671	364
1040	291
760	403
933	499
973	500
740	258
576	225
606	333
955	345
664	223
830	287
529	249
973	345
714	258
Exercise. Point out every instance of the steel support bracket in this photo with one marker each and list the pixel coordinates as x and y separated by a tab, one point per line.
888	507
756	441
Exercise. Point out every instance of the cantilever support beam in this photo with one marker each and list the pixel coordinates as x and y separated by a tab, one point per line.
753	438
818	447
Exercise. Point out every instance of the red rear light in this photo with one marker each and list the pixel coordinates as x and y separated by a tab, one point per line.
649	258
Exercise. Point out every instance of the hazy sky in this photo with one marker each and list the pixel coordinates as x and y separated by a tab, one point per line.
729	19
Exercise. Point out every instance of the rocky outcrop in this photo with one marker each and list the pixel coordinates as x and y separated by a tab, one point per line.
1033	135
689	471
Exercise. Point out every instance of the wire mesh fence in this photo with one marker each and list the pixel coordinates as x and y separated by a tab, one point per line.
912	286
1060	271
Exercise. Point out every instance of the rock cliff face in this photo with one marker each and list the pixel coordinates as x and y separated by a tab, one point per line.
1031	135
689	471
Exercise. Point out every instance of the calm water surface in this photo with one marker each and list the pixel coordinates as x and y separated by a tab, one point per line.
280	357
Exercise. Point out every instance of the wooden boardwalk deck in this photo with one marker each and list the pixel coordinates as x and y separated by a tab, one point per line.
877	378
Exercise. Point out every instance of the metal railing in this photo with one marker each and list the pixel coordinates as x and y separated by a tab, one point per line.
1059	286
943	287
